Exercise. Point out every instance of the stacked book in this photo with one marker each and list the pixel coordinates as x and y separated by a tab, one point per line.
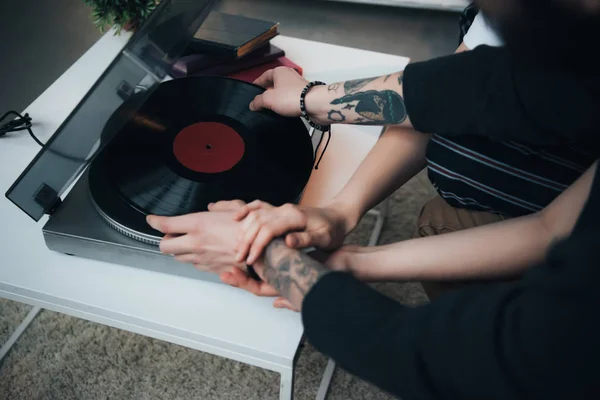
233	46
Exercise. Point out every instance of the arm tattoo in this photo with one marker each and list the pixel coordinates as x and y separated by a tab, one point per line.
401	79
336	116
357	84
290	271
387	77
333	87
380	107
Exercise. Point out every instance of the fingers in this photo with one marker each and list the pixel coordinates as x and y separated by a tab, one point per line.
262	240
282	302
177	245
266	79
228	279
244	211
179	224
262	101
233	277
227	205
244	244
262	226
213	268
240	279
188	258
298	240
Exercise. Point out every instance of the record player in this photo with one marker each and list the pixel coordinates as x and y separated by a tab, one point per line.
142	143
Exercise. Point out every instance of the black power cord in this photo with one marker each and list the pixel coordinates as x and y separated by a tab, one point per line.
23	122
19	123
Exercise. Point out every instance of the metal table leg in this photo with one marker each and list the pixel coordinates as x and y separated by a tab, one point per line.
286	387
381	216
18	332
326	380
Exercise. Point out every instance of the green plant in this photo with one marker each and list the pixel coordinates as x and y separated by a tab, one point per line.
123	14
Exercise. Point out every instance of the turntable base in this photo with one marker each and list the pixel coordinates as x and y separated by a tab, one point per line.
77	229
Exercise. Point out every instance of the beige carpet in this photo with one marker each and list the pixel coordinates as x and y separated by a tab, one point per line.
61	357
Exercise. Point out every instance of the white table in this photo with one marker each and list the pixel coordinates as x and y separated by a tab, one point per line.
209	317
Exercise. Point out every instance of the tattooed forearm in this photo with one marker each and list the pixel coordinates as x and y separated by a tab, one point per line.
369	101
378	107
336	116
290	271
333	87
357	84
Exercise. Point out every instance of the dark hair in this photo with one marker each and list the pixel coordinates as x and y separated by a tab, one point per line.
558	34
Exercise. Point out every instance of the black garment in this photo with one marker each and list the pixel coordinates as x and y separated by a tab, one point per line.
538	338
508	177
504	174
482	92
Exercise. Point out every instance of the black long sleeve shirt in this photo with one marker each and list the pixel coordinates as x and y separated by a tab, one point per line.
535	338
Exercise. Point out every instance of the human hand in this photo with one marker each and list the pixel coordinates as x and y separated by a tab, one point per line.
282	95
336	261
205	239
236	277
324	228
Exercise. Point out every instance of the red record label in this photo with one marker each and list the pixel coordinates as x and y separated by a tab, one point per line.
208	147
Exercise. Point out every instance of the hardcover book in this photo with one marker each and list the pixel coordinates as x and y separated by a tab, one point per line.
203	64
232	35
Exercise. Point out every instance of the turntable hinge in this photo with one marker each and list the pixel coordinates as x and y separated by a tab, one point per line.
47	198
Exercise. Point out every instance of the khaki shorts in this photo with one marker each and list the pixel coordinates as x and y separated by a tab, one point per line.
438	217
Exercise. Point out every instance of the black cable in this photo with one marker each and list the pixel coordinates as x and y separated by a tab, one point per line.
20	123
23	122
328	132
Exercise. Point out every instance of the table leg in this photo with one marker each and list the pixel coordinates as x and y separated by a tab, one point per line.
326	380
18	332
381	216
286	387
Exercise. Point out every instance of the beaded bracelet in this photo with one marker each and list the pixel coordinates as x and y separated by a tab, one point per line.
322	128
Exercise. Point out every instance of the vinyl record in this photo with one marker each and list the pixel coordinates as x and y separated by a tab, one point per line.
194	141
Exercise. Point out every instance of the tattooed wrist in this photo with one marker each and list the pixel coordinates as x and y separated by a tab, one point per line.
290	271
377	107
355	85
368	101
335	116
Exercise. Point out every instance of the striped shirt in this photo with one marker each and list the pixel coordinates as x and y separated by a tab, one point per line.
508	178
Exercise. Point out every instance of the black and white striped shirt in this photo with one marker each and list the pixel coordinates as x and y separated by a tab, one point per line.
508	178
504	177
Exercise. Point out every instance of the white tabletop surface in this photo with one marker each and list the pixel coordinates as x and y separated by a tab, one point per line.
206	316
